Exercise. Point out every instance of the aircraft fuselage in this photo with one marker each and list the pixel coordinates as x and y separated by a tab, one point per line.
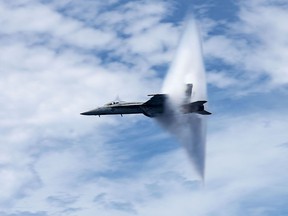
155	106
123	108
152	108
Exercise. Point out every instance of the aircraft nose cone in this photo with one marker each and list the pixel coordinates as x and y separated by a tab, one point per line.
87	113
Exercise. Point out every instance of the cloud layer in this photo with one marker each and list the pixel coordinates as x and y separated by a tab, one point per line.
59	58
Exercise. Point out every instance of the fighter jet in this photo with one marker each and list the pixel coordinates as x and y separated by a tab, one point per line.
154	107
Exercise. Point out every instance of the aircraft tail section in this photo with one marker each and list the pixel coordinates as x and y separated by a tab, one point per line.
204	112
196	107
188	93
198	103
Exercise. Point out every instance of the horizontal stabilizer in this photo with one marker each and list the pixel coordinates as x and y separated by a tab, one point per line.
198	103
204	112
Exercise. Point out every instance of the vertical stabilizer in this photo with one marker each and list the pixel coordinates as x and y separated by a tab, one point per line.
188	93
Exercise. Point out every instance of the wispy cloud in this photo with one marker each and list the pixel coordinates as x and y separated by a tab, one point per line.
220	79
50	73
254	44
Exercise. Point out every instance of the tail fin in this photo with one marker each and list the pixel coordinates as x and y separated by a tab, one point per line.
188	93
195	107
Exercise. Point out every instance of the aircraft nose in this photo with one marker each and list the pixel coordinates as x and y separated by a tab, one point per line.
85	113
97	111
91	112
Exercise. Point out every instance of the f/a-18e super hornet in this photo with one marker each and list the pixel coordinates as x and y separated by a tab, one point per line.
155	106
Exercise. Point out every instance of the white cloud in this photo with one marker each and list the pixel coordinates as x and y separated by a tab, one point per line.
40	19
256	43
220	79
255	165
154	40
268	28
44	88
146	37
226	49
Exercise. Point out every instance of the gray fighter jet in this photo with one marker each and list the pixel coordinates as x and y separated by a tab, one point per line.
155	106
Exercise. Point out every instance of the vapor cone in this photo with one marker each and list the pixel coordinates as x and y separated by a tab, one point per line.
187	67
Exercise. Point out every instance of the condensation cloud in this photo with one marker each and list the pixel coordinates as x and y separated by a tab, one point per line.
187	67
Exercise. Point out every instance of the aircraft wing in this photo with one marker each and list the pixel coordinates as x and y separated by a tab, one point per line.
156	100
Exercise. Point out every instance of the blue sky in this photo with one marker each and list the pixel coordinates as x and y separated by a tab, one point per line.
60	58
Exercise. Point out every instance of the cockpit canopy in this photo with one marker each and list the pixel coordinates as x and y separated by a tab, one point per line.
112	103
